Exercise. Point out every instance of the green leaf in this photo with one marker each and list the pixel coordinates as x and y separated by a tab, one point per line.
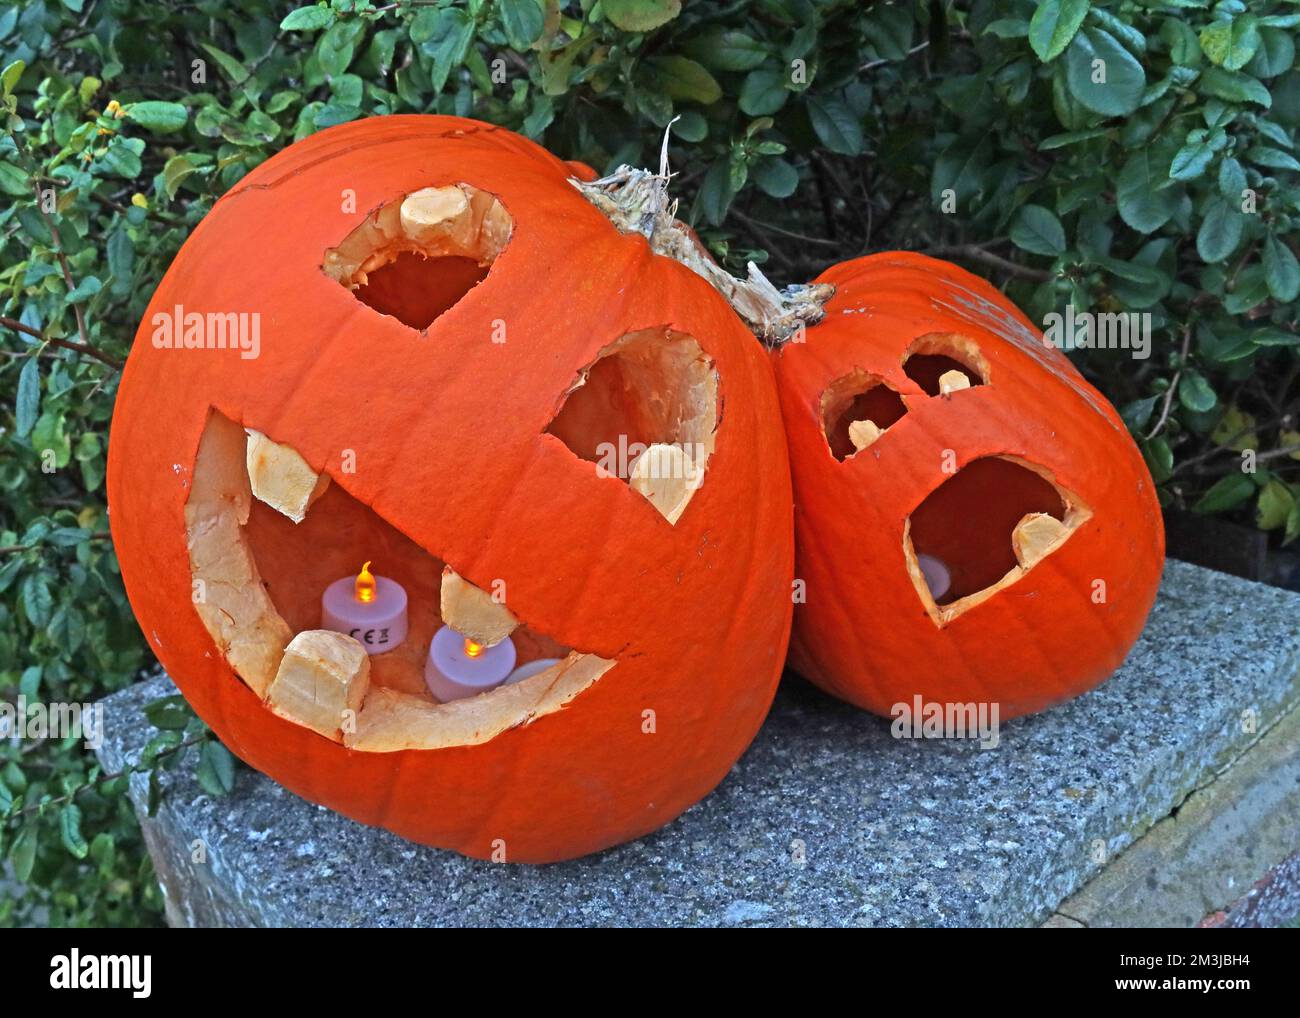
453	33
763	92
1194	392
1220	232
1292	525
1237	88
169	714
10	75
216	769
1232	178
38	602
229	65
640	15
122	157
777	177
1137	415
70	831
1007	28
691	127
715	194
13	181
1054	25
307	19
1276	502
1037	230
727	50
1274	337
1103	75
683	78
1191	160
84	290
836	126
1232	43
22	853
175	170
1281	270
1276	54
1159	458
522	20
159	117
27	402
1056	141
1274	159
121	259
1226	493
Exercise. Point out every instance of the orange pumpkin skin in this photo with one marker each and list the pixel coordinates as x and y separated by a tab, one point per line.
448	435
864	633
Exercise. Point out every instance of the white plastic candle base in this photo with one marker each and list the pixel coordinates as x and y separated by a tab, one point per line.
529	670
378	625
937	576
451	674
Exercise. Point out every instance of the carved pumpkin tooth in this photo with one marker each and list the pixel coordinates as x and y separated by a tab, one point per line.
472	612
422	212
663	475
1035	535
281	478
322	674
863	433
953	381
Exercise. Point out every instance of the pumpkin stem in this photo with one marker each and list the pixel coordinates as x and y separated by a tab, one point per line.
637	201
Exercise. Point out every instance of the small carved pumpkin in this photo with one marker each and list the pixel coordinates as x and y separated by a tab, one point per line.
409	340
973	522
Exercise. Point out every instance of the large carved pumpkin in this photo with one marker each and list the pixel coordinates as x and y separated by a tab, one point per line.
973	523
453	353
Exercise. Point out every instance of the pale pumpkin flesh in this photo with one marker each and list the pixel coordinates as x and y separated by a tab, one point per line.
266	571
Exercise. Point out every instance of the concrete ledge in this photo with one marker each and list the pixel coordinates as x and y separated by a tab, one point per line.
827	819
1207	854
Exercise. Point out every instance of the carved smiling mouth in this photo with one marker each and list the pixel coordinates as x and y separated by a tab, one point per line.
266	535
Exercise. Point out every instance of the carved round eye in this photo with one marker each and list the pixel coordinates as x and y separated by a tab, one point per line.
646	412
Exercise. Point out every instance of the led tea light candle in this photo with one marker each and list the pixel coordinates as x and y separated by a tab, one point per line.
371	609
529	670
937	576
459	667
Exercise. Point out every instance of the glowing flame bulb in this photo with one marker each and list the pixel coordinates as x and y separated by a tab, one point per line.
472	649
365	586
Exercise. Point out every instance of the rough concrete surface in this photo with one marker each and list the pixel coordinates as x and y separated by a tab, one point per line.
1211	850
826	820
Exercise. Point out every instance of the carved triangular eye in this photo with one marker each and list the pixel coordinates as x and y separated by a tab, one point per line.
415	257
984	528
856	410
646	412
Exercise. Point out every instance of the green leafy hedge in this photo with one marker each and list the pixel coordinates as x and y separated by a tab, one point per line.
803	133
